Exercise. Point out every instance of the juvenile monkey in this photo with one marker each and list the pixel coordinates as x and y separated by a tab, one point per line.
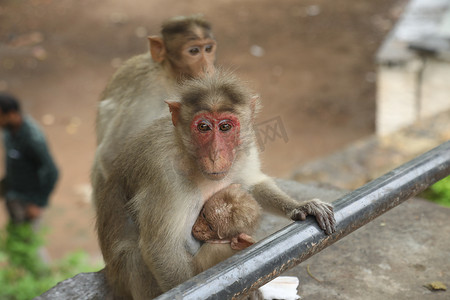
135	95
158	184
224	224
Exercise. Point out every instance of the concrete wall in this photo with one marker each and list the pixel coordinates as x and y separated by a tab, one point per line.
414	67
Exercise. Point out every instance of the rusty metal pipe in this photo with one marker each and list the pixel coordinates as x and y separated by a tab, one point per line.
293	244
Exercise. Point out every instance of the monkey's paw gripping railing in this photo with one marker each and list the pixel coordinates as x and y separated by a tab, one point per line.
293	244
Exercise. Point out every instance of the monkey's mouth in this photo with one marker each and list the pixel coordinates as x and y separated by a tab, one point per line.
215	175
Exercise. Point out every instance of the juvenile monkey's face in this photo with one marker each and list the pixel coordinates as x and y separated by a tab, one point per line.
197	55
216	136
203	230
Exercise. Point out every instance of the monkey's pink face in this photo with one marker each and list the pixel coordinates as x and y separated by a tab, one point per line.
216	136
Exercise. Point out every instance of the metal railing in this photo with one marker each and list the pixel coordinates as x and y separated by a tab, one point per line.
265	260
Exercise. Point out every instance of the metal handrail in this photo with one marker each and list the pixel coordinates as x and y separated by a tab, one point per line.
265	260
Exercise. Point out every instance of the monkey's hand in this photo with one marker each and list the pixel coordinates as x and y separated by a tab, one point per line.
241	241
321	210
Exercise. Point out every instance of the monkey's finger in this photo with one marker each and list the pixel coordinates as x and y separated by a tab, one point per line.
321	221
298	215
330	228
326	223
332	222
329	223
301	215
329	220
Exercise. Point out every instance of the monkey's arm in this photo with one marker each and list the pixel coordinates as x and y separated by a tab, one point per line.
163	245
170	264
211	254
105	113
267	193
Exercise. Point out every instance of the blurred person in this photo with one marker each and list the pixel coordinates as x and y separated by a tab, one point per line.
31	173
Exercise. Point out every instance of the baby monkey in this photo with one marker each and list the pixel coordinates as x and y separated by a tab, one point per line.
225	223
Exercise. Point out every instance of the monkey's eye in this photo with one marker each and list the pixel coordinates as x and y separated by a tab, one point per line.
203	127
194	51
209	48
225	127
210	227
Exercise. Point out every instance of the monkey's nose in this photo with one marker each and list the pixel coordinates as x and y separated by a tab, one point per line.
198	230
214	155
209	70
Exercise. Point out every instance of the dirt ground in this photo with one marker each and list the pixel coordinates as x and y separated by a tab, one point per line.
312	62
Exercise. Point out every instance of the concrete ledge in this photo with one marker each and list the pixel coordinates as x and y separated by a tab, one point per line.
393	257
373	156
84	286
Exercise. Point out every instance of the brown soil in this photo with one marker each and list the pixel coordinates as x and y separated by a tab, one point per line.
316	77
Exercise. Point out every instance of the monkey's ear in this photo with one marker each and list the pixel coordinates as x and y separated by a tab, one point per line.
174	108
157	48
218	233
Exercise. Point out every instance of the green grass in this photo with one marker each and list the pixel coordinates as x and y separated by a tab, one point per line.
439	192
22	273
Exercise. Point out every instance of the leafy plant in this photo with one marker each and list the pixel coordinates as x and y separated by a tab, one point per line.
23	274
439	192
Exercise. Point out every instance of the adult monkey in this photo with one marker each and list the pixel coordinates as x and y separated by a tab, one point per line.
135	95
159	182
